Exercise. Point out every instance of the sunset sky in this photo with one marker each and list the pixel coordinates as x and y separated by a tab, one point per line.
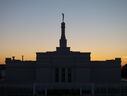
96	26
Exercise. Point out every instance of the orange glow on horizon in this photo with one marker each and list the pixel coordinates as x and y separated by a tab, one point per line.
32	57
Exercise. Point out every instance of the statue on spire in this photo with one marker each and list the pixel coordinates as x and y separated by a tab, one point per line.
62	17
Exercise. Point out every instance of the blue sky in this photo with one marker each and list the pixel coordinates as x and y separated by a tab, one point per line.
97	26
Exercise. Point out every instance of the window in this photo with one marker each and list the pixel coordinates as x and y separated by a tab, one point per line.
57	75
69	75
63	75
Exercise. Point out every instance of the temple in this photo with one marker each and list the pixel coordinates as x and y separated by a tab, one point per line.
62	72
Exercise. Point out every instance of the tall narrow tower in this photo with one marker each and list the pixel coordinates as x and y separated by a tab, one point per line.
63	41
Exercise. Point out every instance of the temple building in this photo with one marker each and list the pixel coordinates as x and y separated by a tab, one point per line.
62	72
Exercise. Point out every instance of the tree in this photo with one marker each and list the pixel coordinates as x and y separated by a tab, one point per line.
124	71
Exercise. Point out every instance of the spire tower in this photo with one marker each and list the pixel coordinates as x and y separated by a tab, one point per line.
63	41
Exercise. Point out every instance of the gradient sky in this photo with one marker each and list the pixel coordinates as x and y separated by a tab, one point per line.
96	26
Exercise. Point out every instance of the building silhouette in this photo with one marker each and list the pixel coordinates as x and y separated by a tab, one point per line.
62	72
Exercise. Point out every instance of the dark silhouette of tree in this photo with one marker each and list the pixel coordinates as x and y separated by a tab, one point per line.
124	71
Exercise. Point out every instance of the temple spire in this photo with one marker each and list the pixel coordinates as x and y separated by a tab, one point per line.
63	41
62	17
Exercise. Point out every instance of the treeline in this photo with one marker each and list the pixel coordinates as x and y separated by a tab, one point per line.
124	71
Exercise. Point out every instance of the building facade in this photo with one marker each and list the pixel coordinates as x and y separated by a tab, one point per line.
62	72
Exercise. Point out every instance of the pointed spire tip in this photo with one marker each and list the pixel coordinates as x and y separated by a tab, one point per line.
62	17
